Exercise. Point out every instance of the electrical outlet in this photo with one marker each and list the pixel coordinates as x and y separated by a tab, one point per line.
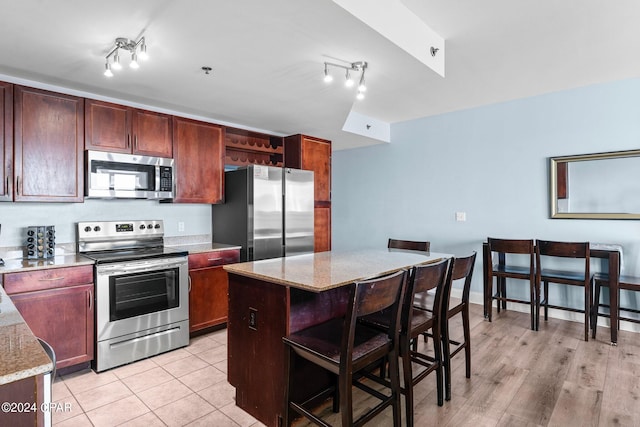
180	226
461	216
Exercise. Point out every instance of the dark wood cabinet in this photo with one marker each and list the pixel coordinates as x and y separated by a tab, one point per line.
309	153
122	129
57	305
6	141
209	287
48	143
198	152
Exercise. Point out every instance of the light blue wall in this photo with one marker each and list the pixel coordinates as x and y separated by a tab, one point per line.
490	162
64	216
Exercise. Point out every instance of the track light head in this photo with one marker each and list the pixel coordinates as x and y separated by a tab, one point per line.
349	81
328	78
107	71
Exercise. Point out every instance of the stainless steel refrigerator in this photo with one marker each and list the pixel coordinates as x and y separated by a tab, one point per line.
268	211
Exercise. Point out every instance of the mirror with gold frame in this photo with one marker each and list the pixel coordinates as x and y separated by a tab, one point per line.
596	186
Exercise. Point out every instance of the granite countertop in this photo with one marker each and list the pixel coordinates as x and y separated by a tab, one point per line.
326	270
21	264
196	248
21	355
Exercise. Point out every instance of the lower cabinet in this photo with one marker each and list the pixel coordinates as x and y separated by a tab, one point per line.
209	288
57	305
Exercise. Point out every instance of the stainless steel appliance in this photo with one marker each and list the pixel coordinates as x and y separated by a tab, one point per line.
117	175
267	210
142	291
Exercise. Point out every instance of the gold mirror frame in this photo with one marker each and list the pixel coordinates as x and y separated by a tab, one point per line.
559	181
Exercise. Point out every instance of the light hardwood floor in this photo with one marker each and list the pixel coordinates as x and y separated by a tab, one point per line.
524	378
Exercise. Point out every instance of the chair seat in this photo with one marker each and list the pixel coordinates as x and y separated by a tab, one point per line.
514	271
624	282
550	275
324	342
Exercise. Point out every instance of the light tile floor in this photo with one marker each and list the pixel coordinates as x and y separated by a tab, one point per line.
184	387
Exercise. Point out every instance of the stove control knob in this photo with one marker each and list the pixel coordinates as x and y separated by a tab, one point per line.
87	229
157	226
150	226
96	228
142	227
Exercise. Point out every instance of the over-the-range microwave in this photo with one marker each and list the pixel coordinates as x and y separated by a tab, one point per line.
127	176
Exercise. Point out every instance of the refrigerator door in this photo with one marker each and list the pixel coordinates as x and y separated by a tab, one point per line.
267	213
298	212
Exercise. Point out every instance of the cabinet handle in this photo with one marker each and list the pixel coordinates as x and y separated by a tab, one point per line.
90	300
51	279
189	283
18	185
6	188
135	142
214	259
128	140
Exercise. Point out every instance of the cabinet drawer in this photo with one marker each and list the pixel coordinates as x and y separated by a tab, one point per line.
49	278
213	258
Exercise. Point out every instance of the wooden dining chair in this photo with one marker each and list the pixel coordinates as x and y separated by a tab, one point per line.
547	250
416	321
626	283
504	270
345	347
409	245
462	270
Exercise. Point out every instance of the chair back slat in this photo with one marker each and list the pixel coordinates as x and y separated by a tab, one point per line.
463	269
511	246
377	294
410	245
563	249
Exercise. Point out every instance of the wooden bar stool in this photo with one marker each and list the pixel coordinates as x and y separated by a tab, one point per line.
504	270
545	251
627	283
462	269
415	322
345	347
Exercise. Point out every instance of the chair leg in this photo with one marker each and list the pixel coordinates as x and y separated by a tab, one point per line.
546	301
446	357
532	300
504	293
394	374
346	401
595	310
437	350
467	340
587	311
537	296
408	379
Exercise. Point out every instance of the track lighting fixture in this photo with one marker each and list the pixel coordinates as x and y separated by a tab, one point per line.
138	49
356	67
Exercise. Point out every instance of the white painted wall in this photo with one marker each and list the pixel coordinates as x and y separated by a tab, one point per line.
492	163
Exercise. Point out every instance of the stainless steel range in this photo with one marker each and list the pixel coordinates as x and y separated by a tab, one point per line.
141	296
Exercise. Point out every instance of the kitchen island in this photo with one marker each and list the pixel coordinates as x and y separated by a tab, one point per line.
269	299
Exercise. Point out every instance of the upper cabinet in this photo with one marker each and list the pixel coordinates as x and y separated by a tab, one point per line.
309	153
121	129
198	153
48	143
6	140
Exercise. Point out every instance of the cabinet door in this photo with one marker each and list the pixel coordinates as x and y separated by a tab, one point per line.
322	228
48	158
208	298
64	318
152	134
6	141
107	127
316	156
198	153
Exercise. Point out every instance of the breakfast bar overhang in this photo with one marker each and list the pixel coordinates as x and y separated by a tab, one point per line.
270	299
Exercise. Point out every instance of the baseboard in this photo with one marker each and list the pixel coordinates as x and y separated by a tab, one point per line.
477	298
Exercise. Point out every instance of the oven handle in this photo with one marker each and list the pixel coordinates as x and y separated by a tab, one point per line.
136	268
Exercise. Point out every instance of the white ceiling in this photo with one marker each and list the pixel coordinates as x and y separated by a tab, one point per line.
267	56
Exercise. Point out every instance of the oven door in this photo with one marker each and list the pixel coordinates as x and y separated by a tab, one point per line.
135	296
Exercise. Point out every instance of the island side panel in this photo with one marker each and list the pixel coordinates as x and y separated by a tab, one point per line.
258	318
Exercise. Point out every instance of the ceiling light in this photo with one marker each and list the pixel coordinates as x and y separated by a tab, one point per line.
356	67
328	78
107	71
137	49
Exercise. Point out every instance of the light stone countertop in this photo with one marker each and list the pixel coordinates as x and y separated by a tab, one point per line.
21	355
21	264
327	270
204	247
